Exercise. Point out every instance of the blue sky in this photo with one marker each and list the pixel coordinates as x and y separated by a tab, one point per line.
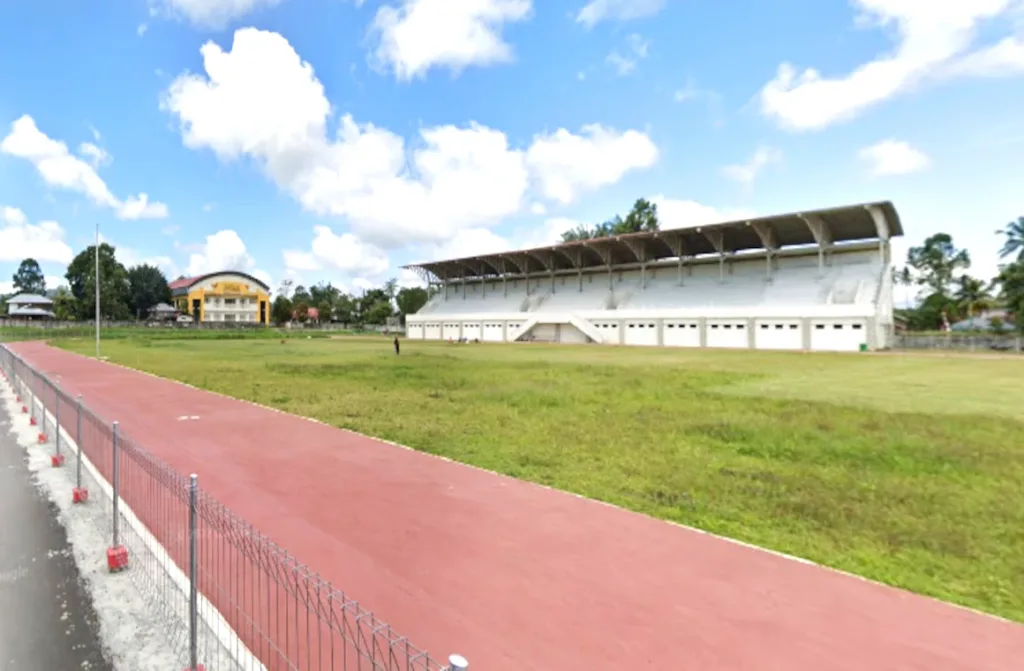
339	139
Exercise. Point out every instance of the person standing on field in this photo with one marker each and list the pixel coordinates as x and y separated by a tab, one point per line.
397	346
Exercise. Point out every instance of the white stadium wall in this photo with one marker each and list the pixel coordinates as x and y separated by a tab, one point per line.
803	300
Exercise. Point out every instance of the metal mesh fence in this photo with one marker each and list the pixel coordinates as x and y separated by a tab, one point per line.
226	596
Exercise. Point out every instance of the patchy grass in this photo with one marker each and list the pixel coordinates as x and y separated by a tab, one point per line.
904	469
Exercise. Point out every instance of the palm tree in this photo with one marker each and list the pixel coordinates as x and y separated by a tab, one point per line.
972	294
1014	243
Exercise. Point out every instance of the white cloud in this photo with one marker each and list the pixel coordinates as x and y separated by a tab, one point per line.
344	252
566	165
478	241
223	250
59	168
934	40
261	101
893	157
617	10
97	155
52	282
636	50
746	173
675	213
141	29
20	240
212	14
419	35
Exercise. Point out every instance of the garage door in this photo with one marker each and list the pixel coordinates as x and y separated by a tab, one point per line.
568	333
415	331
728	334
778	334
471	331
515	329
432	331
681	333
838	335
643	332
450	331
493	331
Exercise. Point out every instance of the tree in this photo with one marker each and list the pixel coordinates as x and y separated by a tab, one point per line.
972	295
29	278
64	305
643	217
345	308
1014	244
147	286
81	276
1011	280
301	311
937	261
391	289
301	294
411	299
281	310
377	313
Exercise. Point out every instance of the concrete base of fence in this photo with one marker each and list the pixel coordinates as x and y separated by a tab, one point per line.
42	438
117	558
79	495
198	667
56	460
32	421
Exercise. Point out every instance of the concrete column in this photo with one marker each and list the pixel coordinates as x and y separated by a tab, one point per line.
702	326
805	334
751	334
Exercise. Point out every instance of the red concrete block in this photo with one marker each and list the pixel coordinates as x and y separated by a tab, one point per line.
42	438
117	558
79	495
32	421
199	667
24	409
57	460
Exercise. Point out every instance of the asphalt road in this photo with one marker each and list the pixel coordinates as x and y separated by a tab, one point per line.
47	622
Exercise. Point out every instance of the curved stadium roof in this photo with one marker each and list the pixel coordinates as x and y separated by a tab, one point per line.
867	221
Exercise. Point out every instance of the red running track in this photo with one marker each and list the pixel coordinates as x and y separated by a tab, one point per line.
515	576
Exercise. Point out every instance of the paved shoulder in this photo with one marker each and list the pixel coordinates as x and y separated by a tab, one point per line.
47	622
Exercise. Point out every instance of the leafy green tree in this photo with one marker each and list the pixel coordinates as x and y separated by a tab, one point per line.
368	301
281	310
642	217
29	278
326	311
300	310
64	305
1011	280
936	263
410	300
301	294
972	295
377	313
114	293
345	308
1014	243
147	286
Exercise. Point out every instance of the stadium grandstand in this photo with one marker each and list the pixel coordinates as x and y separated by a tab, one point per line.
817	281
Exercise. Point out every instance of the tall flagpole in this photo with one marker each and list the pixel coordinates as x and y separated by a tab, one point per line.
97	291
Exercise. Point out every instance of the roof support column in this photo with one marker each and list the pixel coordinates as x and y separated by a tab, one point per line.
678	247
882	228
770	241
716	237
639	249
822	235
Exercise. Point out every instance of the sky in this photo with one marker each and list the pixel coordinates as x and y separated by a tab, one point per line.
340	139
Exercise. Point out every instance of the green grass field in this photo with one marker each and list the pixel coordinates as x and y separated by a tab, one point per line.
904	469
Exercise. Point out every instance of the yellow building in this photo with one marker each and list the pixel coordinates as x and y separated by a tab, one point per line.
228	296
